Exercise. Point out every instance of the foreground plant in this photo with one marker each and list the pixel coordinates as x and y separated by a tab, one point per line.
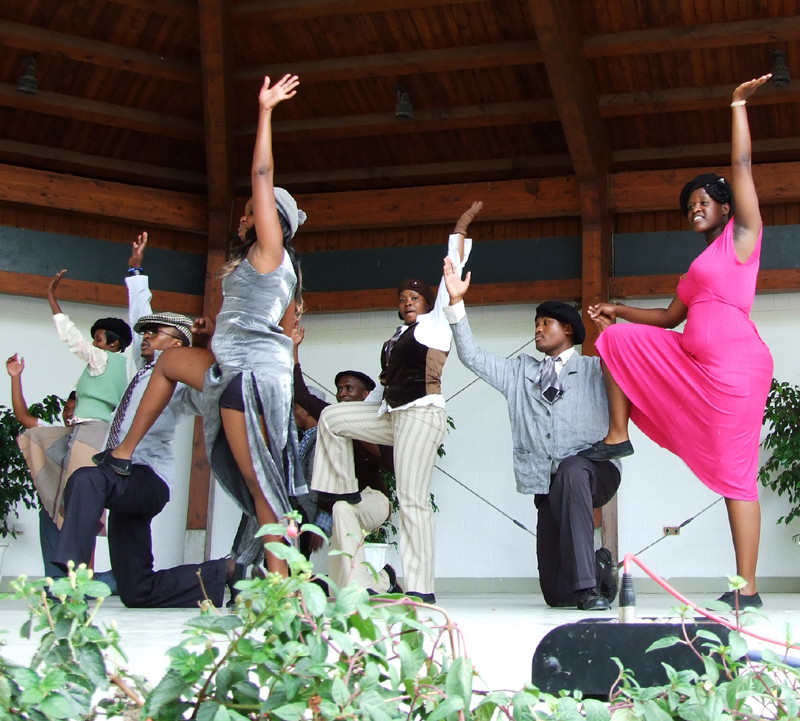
291	653
76	671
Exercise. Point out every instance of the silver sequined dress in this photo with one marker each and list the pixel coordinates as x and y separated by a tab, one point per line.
248	340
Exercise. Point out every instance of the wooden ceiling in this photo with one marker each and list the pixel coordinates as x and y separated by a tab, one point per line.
161	95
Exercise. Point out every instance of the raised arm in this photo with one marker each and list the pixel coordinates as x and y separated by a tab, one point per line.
139	295
52	286
462	225
747	215
267	253
15	366
605	313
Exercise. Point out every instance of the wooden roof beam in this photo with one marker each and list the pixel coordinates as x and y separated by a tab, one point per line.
277	11
167	209
694	37
458	169
91	111
470	116
136	171
629	192
415	62
86	50
216	60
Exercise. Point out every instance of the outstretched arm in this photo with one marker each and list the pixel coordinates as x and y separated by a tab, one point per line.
267	254
747	215
15	366
139	295
604	314
55	308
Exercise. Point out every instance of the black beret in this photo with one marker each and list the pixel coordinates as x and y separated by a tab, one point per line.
363	377
564	313
117	326
421	287
716	186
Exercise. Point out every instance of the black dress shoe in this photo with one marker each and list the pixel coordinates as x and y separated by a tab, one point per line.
424	597
120	466
602	451
590	600
752	601
606	570
394	586
236	576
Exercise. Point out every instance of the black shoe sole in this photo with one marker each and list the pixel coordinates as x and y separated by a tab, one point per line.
120	466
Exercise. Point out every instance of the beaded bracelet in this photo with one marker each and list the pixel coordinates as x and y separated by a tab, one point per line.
737	103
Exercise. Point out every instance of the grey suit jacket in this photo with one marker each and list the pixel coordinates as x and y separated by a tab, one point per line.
543	434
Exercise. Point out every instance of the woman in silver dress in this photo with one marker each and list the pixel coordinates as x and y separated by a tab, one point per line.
246	377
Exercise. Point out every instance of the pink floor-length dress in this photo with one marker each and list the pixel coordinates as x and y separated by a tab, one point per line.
701	393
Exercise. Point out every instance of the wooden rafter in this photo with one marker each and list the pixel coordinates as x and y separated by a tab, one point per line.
86	50
92	111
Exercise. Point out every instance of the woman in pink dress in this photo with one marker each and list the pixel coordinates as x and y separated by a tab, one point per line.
701	394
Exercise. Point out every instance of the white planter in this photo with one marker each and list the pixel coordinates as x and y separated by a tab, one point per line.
375	554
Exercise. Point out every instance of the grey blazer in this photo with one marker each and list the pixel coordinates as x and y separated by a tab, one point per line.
543	434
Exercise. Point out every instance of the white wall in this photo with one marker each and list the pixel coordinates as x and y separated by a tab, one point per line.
473	540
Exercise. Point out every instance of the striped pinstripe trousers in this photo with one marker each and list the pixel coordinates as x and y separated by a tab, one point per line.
415	434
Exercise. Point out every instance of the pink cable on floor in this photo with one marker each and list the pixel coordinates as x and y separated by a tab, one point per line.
669	589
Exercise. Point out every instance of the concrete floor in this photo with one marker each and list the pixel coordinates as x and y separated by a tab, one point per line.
501	631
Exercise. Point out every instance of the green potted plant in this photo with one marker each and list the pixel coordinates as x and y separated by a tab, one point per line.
16	485
781	472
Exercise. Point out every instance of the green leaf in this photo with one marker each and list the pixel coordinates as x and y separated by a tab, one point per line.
451	705
738	646
212	711
91	662
665	642
459	678
315	598
291	711
57	706
340	693
595	710
169	689
654	712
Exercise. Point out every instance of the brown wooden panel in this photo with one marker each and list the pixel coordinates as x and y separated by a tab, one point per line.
163	208
81	291
658	189
769	281
487	294
513	199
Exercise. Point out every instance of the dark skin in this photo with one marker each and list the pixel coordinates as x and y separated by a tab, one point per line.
709	217
99	339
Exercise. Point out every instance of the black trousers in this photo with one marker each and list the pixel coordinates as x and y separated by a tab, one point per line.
565	526
132	501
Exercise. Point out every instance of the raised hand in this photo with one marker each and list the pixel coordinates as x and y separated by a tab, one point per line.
15	365
602	314
297	333
284	89
745	90
53	285
202	330
137	251
456	288
467	217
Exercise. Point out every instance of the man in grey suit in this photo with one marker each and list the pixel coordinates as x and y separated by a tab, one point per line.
556	406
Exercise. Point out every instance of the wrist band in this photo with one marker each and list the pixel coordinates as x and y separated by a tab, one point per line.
135	271
737	103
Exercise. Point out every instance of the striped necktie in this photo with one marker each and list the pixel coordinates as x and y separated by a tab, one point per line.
116	421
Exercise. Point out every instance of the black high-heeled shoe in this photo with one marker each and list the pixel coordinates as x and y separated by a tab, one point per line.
120	466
